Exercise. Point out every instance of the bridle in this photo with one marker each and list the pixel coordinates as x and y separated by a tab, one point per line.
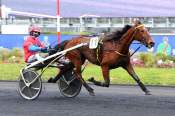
141	43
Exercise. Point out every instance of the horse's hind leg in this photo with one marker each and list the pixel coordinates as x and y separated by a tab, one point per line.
62	70
131	71
105	71
77	65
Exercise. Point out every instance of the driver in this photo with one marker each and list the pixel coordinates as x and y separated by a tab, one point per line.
32	45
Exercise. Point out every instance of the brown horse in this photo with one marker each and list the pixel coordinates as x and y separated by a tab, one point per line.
112	53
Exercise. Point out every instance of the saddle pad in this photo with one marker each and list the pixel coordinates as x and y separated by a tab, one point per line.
93	42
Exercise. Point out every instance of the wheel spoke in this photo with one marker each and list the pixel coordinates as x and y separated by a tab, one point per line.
23	88
65	88
35	88
64	80
71	81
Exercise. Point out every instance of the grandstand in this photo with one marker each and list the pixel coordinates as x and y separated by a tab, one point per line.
98	15
90	15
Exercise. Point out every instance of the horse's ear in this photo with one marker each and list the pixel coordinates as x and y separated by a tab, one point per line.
136	22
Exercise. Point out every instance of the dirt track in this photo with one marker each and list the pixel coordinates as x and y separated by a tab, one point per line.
113	101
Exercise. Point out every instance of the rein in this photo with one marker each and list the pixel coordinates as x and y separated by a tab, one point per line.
132	53
136	50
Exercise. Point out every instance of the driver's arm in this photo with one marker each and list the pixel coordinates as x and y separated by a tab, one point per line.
34	48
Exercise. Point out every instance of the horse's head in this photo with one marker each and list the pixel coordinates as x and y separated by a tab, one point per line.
142	35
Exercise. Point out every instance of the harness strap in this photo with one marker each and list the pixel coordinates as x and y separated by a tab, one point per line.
97	53
139	26
120	53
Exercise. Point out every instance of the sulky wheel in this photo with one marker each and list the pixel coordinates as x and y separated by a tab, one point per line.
29	90
69	85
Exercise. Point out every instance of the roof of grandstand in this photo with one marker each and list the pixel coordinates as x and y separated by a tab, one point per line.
102	8
40	8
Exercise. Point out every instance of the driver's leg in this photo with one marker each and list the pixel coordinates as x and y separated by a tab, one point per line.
31	59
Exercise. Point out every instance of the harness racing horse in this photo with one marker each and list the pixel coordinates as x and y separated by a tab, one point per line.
112	53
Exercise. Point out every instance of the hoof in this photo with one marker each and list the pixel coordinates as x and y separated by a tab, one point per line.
148	93
92	93
91	79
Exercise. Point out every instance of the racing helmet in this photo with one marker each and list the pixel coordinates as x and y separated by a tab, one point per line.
34	31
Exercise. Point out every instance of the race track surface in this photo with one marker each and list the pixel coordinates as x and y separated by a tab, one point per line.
112	101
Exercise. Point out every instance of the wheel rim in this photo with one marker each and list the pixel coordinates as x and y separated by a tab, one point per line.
69	85
33	91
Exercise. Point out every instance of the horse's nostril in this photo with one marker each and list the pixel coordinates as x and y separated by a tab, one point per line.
152	44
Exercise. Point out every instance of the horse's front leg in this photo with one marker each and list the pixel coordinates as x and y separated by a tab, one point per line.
131	71
105	71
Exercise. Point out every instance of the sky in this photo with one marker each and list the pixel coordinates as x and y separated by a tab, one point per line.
102	8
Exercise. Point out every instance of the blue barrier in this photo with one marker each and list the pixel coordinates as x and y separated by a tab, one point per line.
12	40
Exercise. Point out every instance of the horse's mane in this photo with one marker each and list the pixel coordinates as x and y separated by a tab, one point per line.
116	35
